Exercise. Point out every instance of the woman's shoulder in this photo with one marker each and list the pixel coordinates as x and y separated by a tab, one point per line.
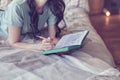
17	3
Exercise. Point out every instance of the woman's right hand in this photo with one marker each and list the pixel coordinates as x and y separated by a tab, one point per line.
44	45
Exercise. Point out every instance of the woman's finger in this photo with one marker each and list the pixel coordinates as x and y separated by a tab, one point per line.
47	47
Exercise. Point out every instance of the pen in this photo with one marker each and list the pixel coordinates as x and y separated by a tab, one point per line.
46	39
41	37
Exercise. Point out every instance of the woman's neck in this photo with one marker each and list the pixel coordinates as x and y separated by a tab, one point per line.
39	8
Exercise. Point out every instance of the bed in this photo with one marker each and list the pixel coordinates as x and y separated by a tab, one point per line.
92	62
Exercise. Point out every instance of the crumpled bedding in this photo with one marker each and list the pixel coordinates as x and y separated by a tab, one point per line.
21	64
92	62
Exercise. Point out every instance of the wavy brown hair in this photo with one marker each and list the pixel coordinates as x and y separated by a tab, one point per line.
56	6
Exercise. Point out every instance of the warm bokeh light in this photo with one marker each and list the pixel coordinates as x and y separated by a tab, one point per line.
107	13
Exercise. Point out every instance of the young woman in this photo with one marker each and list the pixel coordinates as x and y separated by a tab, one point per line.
28	17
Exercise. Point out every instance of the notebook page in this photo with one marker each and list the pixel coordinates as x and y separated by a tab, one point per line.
71	39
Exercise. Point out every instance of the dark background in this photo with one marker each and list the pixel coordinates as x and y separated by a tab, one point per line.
112	5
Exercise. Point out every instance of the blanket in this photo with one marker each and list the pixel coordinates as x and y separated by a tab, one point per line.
21	64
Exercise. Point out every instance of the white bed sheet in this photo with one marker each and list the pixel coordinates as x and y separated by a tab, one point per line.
20	64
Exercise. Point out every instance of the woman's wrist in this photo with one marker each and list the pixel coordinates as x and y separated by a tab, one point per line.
54	40
37	46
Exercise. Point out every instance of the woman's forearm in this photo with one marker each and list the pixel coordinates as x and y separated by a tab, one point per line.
52	31
28	46
52	35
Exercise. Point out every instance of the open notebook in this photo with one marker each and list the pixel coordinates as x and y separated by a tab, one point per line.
68	42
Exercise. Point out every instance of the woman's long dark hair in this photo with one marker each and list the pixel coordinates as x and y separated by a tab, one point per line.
57	7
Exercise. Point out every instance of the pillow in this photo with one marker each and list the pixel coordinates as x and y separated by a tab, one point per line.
75	10
73	18
84	4
4	3
77	3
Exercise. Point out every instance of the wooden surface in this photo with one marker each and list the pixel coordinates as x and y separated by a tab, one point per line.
109	29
